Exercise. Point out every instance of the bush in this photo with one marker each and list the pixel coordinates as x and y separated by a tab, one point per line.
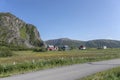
5	52
42	49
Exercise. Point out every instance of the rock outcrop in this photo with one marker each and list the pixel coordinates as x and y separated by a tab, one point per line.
15	32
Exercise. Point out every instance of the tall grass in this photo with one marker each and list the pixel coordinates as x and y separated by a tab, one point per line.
24	61
112	74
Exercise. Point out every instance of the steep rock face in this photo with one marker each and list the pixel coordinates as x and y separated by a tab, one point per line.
16	32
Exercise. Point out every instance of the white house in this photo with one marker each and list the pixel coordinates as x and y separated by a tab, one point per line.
104	47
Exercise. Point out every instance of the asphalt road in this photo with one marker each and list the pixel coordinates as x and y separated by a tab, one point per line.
72	72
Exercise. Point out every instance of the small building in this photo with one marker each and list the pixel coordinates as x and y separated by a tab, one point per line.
66	47
52	48
82	47
104	47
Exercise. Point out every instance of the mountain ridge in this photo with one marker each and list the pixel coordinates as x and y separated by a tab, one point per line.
96	43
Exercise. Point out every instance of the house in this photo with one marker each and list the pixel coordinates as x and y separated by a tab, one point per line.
65	47
82	47
52	48
104	47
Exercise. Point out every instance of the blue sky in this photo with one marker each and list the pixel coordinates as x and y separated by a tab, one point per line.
75	19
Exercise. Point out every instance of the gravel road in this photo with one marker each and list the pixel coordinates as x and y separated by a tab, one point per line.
72	72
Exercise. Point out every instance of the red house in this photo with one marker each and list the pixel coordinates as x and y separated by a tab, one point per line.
52	48
82	47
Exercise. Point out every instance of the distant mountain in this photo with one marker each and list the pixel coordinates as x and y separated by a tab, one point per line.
65	41
92	43
103	42
15	32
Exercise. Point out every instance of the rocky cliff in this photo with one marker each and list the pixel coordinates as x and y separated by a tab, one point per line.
15	32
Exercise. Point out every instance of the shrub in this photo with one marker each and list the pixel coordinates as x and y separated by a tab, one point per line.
5	52
42	49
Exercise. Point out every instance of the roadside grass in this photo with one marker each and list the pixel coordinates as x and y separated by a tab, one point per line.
27	61
112	74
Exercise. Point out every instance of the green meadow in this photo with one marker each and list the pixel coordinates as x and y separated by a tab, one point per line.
28	61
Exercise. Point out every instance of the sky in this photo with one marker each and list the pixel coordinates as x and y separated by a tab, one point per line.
74	19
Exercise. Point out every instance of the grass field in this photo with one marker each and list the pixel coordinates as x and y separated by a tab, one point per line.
25	61
112	74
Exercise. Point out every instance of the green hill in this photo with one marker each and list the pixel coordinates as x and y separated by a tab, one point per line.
65	41
103	42
91	44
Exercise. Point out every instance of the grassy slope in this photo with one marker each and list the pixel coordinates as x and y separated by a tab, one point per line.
112	74
42	60
23	32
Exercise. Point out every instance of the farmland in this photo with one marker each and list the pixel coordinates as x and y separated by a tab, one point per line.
26	61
